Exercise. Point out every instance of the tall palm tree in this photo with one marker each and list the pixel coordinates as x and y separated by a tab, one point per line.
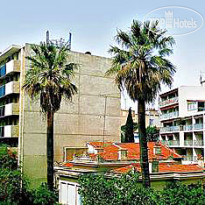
49	80
140	66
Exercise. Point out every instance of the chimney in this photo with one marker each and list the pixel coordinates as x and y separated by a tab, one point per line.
122	154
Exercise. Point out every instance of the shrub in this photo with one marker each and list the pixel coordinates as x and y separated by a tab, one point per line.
14	189
124	190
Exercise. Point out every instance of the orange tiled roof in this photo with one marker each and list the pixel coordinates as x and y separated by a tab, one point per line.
133	151
68	165
163	167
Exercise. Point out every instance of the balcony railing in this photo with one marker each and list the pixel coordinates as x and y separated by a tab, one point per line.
169	115
8	88
198	126
170	129
188	142
198	143
187	127
190	158
9	109
11	66
9	131
171	142
168	102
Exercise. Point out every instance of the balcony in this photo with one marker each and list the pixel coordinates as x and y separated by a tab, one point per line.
187	127
198	143
9	88
188	142
171	143
169	115
168	102
10	67
190	158
9	109
9	131
198	126
170	129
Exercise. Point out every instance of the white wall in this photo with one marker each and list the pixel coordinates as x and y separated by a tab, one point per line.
189	93
10	66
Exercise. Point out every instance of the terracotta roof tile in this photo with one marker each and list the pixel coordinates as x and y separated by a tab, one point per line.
133	151
163	167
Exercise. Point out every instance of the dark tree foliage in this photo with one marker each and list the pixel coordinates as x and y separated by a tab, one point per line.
152	134
49	80
129	129
140	66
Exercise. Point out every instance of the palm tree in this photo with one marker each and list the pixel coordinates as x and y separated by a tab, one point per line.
140	66
49	80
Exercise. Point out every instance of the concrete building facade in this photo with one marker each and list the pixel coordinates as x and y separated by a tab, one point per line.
93	114
183	118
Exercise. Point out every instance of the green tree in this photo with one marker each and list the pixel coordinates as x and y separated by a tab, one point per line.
140	66
152	133
50	79
129	130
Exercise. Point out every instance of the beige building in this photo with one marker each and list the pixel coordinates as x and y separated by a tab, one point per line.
93	115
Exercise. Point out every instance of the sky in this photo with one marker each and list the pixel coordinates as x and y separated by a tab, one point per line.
93	25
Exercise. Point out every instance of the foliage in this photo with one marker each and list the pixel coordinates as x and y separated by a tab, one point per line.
176	193
8	158
126	190
49	79
44	196
129	128
10	186
140	66
14	189
152	133
50	76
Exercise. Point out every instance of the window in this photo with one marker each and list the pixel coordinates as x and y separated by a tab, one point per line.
151	122
191	106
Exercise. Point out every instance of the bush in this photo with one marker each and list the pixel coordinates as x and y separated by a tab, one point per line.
43	196
126	190
14	189
176	193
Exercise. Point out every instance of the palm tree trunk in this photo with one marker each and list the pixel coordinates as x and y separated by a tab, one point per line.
50	149
143	144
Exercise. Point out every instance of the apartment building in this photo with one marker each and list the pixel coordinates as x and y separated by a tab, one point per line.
182	118
94	113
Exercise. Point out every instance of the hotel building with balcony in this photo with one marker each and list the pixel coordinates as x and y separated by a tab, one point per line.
183	121
93	114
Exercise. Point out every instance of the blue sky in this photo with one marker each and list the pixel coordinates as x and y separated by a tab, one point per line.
93	25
